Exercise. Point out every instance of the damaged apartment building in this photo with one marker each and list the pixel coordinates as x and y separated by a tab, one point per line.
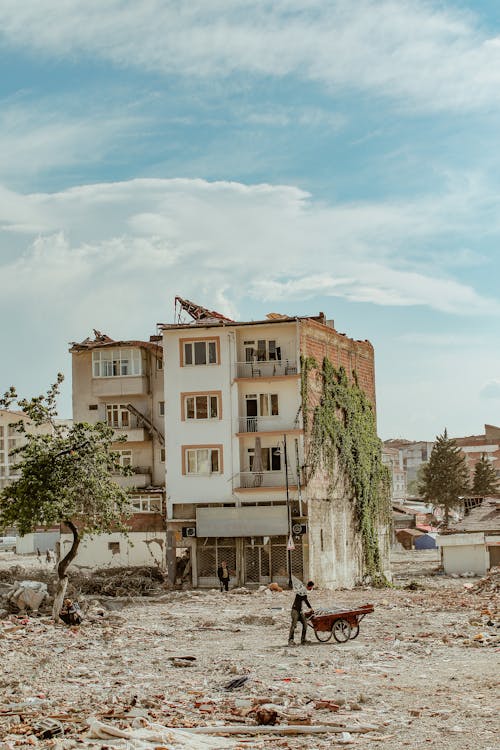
121	383
238	488
214	415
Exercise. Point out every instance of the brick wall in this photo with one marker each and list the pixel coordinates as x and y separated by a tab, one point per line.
320	341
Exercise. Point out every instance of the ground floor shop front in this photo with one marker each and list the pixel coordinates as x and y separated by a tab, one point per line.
250	560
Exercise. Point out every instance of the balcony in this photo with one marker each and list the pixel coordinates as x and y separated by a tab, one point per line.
254	480
139	479
130	385
133	434
265	424
266	368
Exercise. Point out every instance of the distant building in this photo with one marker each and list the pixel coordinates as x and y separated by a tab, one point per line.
393	459
10	440
411	456
475	446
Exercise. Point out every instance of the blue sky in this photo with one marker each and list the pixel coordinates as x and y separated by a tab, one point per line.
255	156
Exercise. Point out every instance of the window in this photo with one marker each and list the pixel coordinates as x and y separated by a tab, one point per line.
161	408
162	455
93	407
203	460
114	547
262	351
145	504
117	415
262	405
125	458
271	459
205	406
107	363
202	352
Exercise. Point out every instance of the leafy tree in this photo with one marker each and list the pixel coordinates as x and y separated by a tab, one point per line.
65	477
445	476
485	478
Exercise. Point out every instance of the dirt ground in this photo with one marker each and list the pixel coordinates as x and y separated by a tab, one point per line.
422	672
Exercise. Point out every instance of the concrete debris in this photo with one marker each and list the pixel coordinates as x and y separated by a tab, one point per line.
27	595
153	674
490	583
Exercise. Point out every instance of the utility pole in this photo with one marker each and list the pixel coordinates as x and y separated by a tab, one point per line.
289	513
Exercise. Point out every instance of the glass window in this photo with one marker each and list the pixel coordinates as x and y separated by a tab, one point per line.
161	408
274	405
212	353
107	363
117	415
200	353
214	407
125	458
145	504
203	461
202	407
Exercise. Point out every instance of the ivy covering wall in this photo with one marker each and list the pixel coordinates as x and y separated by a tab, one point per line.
341	438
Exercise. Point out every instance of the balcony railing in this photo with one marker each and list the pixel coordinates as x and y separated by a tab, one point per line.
256	479
266	368
264	424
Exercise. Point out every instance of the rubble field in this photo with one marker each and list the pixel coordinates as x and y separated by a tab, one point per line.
422	672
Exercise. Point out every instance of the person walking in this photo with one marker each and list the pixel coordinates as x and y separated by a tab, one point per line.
223	574
298	616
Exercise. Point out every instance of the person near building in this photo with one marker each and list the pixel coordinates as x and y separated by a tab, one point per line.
298	615
223	574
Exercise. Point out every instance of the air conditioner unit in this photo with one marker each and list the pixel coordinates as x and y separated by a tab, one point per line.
188	531
299	528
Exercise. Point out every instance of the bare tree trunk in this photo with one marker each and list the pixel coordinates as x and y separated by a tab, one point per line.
63	565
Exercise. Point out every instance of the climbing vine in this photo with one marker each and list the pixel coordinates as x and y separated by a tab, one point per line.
342	433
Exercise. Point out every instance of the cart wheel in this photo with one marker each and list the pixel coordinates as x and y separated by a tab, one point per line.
341	630
323	635
354	632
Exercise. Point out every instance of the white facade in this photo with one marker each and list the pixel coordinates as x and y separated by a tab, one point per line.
245	388
117	550
245	410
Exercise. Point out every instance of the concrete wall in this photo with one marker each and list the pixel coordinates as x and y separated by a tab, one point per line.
335	551
42	540
139	548
464	558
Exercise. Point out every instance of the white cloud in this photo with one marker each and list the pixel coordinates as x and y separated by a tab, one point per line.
491	389
422	53
228	239
46	135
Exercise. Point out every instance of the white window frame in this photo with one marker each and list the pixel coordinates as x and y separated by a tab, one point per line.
120	411
145	504
211	352
125	458
195	458
210	399
116	363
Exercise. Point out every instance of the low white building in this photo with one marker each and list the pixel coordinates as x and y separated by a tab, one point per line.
473	544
